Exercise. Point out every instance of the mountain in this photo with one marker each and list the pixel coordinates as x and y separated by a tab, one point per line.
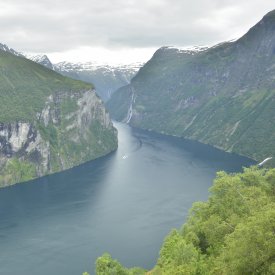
48	122
42	60
106	78
5	48
222	95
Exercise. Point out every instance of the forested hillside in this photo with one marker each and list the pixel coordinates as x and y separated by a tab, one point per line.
233	233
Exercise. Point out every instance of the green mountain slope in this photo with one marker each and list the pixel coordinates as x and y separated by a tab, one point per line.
223	96
48	122
25	87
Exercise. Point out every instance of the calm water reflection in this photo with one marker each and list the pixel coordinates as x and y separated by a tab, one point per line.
124	203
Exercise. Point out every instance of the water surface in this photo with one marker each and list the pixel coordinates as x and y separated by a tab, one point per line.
124	203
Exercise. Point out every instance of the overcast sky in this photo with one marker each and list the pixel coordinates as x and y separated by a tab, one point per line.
122	31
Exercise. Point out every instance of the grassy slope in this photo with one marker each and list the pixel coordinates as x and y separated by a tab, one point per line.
25	85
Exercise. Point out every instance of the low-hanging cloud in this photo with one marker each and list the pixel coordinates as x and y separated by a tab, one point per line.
56	26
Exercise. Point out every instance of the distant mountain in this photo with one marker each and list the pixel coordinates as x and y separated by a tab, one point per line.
42	60
48	122
222	95
106	78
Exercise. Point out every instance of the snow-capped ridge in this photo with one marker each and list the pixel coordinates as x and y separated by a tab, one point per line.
6	48
198	48
41	59
93	66
190	48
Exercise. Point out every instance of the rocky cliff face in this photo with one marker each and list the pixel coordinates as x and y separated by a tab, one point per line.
48	123
71	129
223	96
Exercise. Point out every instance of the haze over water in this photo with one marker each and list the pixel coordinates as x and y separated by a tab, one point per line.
124	204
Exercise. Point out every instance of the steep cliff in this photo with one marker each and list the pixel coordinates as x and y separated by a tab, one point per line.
48	123
223	96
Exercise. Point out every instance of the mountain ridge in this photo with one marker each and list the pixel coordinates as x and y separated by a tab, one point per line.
221	96
41	59
106	78
6	48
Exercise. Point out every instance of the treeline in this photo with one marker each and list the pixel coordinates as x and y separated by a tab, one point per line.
232	233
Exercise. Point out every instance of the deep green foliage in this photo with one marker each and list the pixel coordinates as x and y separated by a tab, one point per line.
233	233
105	265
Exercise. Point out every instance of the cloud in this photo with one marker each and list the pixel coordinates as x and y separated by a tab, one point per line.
57	26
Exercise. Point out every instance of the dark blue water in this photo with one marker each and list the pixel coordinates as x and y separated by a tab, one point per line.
124	203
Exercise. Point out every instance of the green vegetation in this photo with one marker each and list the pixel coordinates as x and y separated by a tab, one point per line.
17	171
105	265
74	148
48	122
233	233
214	96
121	103
25	86
68	105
